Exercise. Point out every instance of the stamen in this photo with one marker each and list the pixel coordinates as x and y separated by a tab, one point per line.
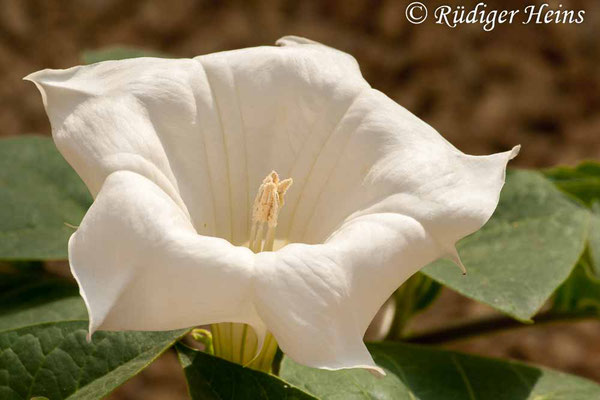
268	202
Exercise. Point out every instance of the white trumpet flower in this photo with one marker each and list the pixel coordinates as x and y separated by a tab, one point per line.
173	151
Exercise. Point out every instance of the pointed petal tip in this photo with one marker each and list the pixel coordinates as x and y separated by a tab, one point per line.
377	372
92	328
92	325
453	255
37	76
52	77
372	368
291	40
88	337
515	151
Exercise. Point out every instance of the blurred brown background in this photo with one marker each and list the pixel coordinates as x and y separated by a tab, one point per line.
537	85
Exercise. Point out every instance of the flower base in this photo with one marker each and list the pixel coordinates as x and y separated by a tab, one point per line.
238	343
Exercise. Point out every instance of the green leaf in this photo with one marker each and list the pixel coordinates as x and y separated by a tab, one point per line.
54	360
211	377
582	181
43	350
40	193
526	250
118	53
29	299
580	293
422	373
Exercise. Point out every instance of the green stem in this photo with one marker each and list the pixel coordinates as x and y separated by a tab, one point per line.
492	325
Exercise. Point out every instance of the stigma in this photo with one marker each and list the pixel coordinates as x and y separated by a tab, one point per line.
265	211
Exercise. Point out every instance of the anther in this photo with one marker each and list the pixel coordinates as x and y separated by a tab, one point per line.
268	202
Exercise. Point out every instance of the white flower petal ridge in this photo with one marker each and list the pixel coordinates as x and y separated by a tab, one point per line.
173	152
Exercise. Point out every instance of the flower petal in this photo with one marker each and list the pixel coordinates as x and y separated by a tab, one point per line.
405	196
138	116
140	265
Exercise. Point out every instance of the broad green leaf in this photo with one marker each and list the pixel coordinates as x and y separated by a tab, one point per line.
118	53
39	193
582	181
211	377
423	373
526	250
29	299
580	293
54	360
43	350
